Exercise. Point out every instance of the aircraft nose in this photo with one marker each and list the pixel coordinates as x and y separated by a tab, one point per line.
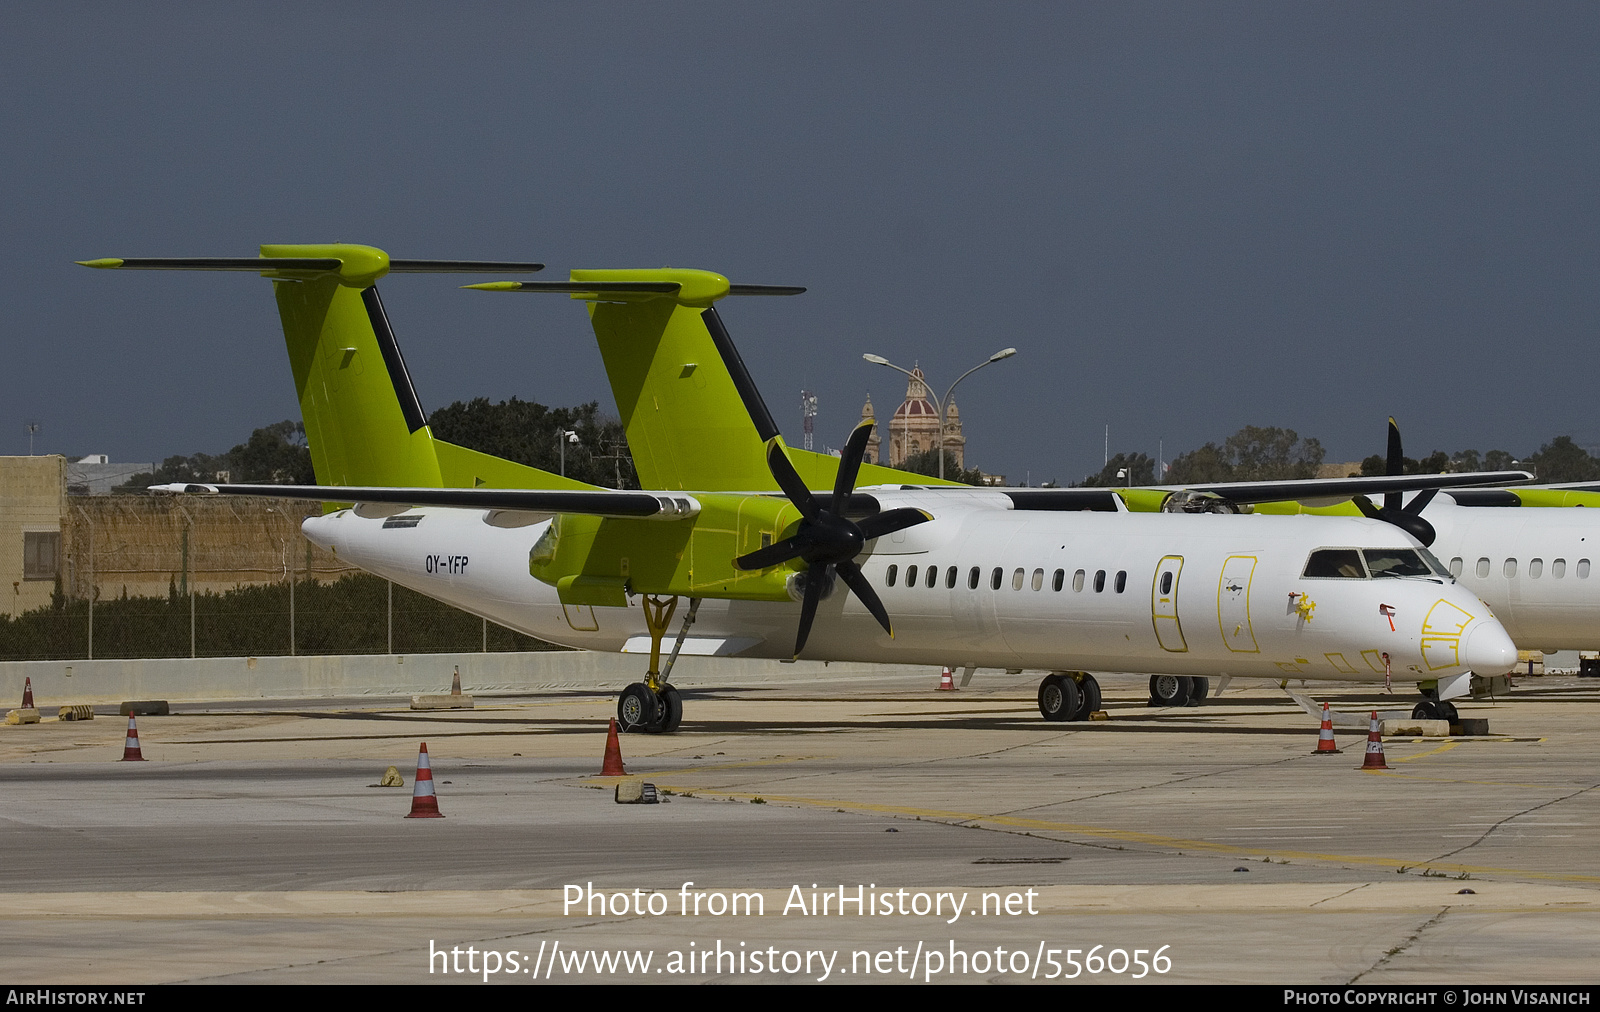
1489	650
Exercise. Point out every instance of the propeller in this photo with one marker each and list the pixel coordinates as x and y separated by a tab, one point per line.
1406	517
827	541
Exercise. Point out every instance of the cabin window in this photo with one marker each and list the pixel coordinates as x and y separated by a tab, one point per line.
1016	580
1510	569
1455	567
1122	580
995	578
1099	580
1483	569
888	578
1077	582
1558	568
1335	564
1396	562
911	576
1535	568
1166	583
972	579
1038	579
1060	580
933	576
1583	569
950	578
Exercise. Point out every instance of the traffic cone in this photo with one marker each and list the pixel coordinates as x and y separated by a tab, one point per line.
27	693
424	803
612	766
946	682
455	682
130	748
1374	759
1325	745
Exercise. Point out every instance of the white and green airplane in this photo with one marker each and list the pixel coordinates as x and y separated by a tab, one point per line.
1067	581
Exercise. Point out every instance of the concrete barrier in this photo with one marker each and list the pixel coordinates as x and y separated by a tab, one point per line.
209	679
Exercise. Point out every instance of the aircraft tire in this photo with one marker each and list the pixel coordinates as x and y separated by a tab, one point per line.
1088	698
1447	711
638	708
672	703
1169	690
1058	697
1199	688
1426	710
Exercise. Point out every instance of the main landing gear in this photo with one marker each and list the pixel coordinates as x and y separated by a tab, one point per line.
1068	695
652	705
1178	690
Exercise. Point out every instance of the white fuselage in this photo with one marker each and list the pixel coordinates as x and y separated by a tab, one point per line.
1158	593
1533	566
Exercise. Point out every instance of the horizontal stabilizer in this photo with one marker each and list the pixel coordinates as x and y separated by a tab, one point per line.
309	264
598	287
623	287
595	502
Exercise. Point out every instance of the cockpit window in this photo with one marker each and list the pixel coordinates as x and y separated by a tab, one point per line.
1436	565
1396	562
1336	563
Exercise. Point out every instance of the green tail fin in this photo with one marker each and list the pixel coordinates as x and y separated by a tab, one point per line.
687	426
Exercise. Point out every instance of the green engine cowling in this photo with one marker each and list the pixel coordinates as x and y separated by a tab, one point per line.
599	561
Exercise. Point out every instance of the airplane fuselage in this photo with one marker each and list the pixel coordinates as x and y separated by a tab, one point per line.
1110	592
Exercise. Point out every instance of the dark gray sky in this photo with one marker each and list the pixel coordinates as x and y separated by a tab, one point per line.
1188	217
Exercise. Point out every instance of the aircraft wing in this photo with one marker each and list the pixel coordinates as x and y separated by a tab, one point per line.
1327	491
593	502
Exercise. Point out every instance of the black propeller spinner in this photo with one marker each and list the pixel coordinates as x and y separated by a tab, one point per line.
827	540
1409	517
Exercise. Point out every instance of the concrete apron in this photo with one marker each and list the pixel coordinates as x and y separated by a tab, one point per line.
57	683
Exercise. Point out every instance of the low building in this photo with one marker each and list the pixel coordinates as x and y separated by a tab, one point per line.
142	545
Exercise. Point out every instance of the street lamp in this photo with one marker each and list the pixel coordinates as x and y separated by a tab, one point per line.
563	437
937	403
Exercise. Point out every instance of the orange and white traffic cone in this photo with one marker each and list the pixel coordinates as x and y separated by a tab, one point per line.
612	766
1374	759
424	803
130	748
27	693
947	682
1325	743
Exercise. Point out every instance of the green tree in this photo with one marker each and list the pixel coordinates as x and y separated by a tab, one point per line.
525	431
1141	470
927	462
1562	460
274	454
1254	453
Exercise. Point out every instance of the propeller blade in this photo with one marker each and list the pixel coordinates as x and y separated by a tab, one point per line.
1395	464
853	578
879	524
850	466
815	577
788	480
1420	501
1366	507
773	555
